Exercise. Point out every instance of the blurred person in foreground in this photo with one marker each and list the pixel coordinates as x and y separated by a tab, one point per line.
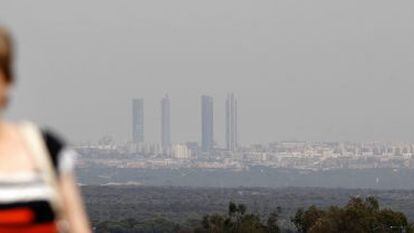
38	193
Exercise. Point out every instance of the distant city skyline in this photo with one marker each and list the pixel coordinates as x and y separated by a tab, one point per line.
307	70
207	141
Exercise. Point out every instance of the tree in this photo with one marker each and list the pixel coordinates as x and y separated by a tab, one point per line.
272	225
303	220
357	216
238	220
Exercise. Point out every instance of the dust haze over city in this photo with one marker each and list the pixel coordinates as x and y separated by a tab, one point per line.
316	70
225	99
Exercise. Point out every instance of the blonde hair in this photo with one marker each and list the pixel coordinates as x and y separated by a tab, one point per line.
6	54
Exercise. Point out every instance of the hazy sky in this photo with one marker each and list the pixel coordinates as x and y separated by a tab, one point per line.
312	70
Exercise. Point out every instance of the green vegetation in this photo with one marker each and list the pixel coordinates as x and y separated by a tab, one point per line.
238	220
142	209
158	225
358	216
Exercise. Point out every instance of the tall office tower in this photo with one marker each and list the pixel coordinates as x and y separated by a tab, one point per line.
165	122
206	123
137	120
231	123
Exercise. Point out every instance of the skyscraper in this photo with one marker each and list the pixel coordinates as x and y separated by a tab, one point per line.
231	123
137	120
165	122
206	123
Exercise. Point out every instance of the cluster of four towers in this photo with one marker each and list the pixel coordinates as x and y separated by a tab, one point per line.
207	122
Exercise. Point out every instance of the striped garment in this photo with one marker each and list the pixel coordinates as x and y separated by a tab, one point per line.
26	198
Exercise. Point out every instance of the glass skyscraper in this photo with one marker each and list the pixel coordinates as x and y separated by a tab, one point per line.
165	122
206	123
137	120
231	123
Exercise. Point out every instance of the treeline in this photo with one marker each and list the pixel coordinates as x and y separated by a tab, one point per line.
357	216
238	220
179	204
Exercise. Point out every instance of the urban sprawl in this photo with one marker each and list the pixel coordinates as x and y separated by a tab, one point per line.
207	155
